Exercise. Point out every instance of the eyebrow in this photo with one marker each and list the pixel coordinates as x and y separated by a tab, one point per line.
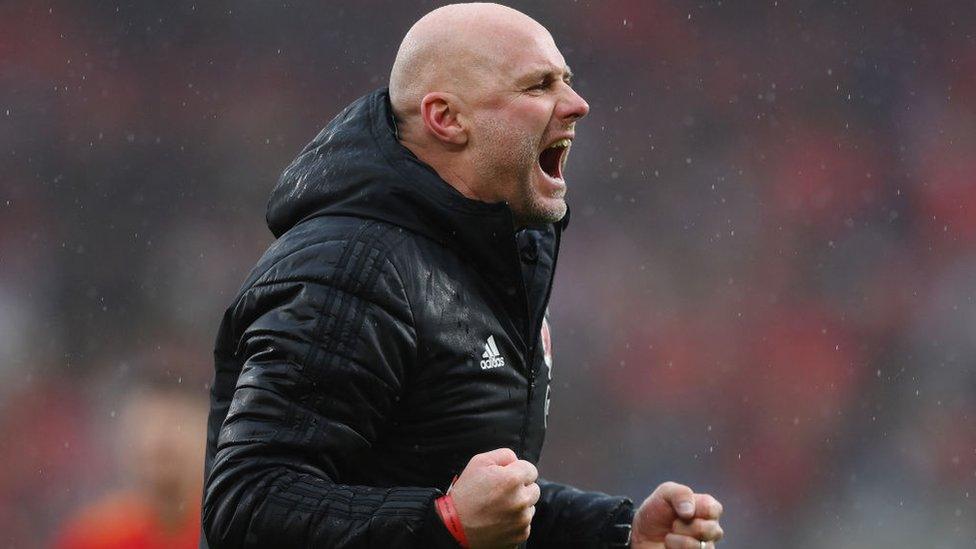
539	74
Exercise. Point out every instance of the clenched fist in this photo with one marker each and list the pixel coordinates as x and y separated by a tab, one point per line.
495	499
675	517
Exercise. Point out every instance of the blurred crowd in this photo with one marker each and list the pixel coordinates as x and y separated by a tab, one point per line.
767	289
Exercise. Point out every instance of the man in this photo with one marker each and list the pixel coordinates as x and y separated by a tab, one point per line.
160	438
394	335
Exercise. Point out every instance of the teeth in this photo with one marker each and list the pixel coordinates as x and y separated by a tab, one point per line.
561	144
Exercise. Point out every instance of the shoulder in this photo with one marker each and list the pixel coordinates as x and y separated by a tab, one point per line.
329	247
329	267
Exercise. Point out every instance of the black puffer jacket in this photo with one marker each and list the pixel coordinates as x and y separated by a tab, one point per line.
390	333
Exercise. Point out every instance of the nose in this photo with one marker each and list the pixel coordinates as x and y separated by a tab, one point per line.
573	106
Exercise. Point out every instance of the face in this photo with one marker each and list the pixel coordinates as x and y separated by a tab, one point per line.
163	440
522	128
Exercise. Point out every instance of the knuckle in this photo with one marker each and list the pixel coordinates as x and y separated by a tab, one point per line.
713	504
707	529
678	541
509	490
508	479
711	530
512	479
519	502
530	468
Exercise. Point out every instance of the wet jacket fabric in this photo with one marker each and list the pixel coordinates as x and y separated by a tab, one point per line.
391	332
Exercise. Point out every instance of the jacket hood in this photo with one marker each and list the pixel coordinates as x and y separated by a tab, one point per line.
357	167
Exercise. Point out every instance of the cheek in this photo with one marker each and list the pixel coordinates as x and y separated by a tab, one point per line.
509	138
539	114
525	117
505	143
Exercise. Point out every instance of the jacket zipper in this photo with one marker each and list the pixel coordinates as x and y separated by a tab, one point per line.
534	346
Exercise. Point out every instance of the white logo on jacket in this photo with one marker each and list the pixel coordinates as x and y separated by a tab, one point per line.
492	358
546	338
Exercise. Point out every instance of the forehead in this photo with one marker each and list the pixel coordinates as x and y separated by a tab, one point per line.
529	57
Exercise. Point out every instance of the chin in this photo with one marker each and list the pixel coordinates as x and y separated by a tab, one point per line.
543	212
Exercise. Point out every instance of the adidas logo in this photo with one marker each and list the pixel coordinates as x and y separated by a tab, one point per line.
492	358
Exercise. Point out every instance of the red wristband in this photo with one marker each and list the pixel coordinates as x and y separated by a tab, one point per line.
448	513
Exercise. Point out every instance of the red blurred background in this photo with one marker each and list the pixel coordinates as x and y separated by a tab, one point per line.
768	288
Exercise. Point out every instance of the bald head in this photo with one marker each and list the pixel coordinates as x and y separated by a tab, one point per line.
482	95
459	49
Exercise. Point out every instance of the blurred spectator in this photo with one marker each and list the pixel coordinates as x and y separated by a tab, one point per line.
161	439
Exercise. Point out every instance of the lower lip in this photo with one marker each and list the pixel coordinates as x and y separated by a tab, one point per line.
556	184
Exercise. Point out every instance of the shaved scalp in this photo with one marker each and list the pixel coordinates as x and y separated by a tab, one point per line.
479	91
458	49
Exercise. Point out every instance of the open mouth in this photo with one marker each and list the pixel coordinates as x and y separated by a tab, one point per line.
553	158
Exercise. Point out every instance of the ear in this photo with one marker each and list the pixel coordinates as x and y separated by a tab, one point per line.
439	112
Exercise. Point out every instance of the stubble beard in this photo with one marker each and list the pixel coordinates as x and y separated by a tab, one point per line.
509	158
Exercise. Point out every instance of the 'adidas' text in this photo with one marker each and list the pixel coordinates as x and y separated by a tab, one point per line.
492	358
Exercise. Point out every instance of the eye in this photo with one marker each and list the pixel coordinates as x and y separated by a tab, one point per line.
541	86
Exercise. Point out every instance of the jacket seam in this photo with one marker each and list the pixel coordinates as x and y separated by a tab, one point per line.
413	317
348	254
322	281
359	288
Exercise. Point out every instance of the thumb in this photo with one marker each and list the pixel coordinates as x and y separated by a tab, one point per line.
680	497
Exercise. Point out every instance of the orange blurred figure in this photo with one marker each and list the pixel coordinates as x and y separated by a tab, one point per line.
163	426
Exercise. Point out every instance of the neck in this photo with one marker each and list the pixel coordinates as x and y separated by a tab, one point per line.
449	167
